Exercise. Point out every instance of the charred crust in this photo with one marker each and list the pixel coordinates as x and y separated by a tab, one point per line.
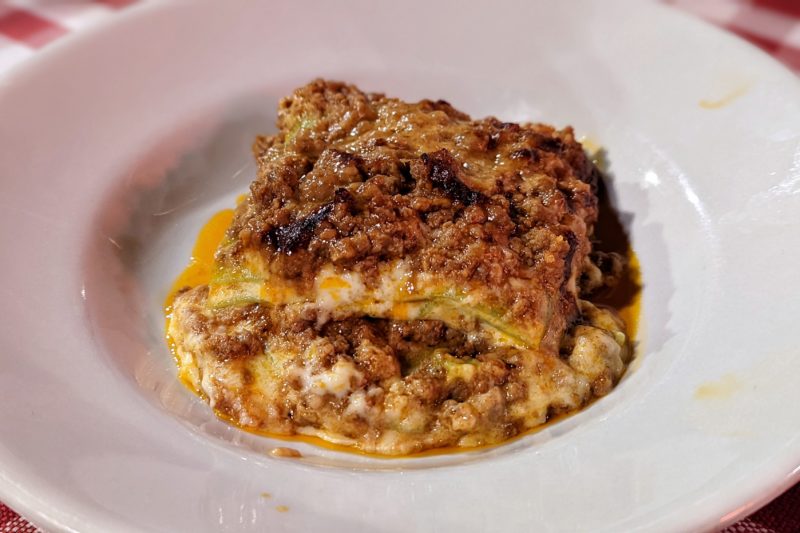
408	182
549	144
290	237
342	196
514	212
443	172
569	197
573	242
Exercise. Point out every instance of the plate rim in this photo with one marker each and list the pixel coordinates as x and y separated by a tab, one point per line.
9	490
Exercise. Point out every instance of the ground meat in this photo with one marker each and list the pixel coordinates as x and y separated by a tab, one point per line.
357	179
354	181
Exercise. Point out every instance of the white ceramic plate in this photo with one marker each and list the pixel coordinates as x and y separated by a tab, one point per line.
116	145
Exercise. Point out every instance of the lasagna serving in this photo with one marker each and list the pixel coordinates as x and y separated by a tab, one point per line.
402	277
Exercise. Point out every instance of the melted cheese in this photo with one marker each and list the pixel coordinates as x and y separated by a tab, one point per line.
340	380
333	289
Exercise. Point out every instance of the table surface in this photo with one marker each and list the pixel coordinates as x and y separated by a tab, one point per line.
773	25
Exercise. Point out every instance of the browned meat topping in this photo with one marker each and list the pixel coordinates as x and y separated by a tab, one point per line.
496	211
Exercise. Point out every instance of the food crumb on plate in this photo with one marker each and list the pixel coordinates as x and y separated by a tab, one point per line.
285	452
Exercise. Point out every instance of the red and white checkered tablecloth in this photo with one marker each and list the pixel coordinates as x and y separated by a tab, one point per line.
773	25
